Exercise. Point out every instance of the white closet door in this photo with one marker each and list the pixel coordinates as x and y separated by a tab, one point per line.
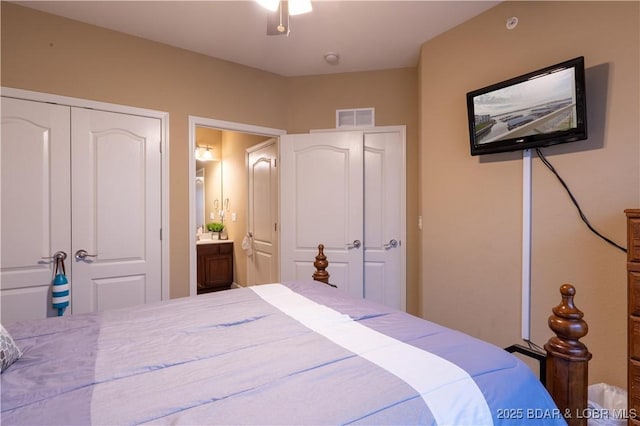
35	205
321	199
116	210
384	267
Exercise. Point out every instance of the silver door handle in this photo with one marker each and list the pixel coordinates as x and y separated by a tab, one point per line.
83	254
392	244
355	244
58	255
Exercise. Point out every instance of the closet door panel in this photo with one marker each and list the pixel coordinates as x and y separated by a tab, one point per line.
116	210
35	209
321	199
26	302
322	180
383	195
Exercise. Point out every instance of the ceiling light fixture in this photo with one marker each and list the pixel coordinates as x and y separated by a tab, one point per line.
296	7
332	58
299	7
203	154
271	5
278	22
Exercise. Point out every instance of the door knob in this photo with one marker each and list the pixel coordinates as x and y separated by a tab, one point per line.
392	244
59	255
83	254
355	244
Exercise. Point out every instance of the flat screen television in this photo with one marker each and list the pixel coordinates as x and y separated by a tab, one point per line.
541	108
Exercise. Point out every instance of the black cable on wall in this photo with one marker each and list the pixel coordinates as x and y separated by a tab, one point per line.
575	202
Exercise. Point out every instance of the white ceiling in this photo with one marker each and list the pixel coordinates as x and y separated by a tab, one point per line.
368	35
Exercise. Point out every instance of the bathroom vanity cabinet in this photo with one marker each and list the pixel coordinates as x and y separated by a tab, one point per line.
215	266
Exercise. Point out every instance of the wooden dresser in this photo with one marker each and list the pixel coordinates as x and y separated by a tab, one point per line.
215	266
633	297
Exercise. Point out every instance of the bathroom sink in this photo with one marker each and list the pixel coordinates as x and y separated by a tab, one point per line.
216	241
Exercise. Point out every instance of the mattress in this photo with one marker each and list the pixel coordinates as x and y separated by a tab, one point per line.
295	353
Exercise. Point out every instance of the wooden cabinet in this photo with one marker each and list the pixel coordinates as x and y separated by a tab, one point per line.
215	266
633	298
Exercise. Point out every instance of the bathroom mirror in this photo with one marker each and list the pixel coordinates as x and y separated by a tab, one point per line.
208	182
200	203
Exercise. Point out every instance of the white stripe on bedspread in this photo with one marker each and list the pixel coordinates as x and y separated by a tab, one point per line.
450	393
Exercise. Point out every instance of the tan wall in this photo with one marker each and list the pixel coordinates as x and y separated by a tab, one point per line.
471	242
45	53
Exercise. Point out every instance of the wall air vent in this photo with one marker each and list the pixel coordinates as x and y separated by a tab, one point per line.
361	117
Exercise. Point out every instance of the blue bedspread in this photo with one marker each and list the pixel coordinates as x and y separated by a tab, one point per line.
302	353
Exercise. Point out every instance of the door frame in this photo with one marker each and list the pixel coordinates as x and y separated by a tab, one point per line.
164	147
195	121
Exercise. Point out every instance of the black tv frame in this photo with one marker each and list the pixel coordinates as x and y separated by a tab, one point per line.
518	121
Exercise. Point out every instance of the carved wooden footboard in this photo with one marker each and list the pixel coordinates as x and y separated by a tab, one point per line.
567	358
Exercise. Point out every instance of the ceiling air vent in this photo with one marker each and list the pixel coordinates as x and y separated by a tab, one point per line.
362	117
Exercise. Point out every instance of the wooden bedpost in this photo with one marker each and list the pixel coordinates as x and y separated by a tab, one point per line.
321	264
568	359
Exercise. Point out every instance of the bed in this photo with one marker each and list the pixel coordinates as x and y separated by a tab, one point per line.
293	353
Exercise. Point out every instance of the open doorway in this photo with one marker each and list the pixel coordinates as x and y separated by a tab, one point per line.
232	204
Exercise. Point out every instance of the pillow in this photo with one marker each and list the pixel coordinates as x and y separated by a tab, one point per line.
9	352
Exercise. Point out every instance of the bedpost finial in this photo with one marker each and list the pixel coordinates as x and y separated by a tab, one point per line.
568	325
567	308
321	265
568	292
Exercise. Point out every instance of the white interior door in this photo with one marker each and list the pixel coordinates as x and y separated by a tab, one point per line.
384	267
262	264
35	205
116	210
321	199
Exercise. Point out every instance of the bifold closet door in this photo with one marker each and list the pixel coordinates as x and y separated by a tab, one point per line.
36	204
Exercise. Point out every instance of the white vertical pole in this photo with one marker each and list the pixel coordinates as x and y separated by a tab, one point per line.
526	244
